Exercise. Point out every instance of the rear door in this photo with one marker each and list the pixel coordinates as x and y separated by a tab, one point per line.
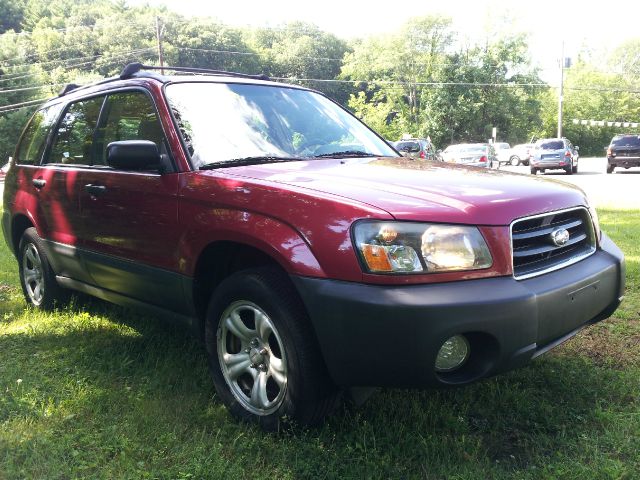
130	231
52	184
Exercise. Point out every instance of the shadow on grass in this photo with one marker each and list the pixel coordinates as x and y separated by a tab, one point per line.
137	387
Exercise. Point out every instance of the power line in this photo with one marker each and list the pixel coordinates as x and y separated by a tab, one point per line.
67	59
34	87
29	103
254	54
404	83
116	55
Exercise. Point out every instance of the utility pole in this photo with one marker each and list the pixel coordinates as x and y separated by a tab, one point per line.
159	31
561	92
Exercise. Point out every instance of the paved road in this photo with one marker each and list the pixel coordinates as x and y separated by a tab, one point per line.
620	190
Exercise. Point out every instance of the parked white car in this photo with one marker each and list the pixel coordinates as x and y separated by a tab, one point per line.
503	152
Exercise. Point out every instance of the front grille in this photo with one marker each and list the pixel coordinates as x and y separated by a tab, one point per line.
535	252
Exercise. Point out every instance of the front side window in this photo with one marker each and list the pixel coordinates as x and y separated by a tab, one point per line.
129	116
223	123
73	143
34	139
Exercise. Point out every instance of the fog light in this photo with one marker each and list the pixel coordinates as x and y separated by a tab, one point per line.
453	353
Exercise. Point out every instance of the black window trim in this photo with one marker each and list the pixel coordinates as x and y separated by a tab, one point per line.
47	139
105	94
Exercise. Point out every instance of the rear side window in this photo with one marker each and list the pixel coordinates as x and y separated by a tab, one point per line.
130	116
33	141
73	143
626	141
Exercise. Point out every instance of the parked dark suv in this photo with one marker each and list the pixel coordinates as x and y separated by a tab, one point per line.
306	253
624	151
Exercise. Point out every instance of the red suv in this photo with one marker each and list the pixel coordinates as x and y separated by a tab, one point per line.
308	255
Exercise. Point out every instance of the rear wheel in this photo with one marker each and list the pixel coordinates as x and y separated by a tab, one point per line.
515	160
265	362
37	278
569	170
575	168
534	170
610	168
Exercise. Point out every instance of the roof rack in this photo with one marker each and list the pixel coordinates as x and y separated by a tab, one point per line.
131	69
67	88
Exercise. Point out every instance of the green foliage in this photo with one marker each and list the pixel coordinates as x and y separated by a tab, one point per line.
423	83
423	80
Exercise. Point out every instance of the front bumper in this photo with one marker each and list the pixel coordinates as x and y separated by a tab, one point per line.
373	335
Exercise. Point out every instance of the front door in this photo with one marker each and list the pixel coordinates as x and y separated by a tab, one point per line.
130	230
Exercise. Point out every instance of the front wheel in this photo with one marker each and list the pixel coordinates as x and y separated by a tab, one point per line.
515	160
265	363
37	278
533	170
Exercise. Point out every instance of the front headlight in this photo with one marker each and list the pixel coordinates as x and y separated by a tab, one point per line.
403	247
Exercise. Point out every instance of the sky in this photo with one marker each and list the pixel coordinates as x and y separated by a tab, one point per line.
597	25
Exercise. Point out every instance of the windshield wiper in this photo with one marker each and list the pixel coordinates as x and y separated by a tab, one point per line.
345	154
240	162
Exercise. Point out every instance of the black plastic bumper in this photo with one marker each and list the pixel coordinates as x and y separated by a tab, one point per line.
374	335
624	161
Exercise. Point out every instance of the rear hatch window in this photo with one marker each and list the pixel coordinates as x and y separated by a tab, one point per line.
626	141
552	145
408	147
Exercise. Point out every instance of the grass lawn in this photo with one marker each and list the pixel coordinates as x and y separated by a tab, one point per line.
98	391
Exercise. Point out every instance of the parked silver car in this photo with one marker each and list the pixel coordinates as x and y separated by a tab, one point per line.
473	154
554	154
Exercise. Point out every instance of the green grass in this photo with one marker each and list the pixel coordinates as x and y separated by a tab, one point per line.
98	391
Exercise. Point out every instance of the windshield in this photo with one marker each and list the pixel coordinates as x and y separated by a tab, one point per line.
225	122
626	141
552	145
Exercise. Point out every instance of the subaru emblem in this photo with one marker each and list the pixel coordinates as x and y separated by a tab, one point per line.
560	236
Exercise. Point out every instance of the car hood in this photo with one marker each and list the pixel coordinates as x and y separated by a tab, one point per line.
424	191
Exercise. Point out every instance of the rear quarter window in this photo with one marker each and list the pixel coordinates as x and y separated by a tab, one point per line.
34	138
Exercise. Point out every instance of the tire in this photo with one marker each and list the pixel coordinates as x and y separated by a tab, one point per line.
515	160
575	169
533	170
610	168
569	170
37	278
264	360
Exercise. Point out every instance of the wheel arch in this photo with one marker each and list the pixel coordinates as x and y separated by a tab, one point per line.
216	262
19	223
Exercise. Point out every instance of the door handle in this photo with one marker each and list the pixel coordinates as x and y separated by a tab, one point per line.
39	182
95	189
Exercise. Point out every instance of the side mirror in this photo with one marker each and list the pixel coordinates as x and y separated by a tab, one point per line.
133	155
